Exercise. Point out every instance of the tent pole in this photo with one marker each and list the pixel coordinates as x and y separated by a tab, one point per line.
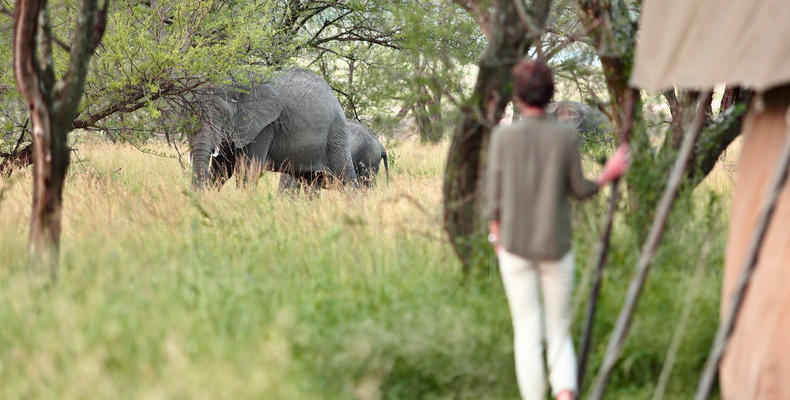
603	250
617	340
749	265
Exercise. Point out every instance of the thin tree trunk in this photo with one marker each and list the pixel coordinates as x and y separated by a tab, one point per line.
508	42
52	110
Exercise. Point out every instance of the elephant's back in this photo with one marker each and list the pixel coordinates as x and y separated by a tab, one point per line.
308	99
312	125
364	146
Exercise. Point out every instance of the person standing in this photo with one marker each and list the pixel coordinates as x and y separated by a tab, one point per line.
534	166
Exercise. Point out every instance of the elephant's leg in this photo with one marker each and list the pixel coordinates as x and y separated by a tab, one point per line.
221	163
310	182
314	181
339	155
373	173
252	160
363	174
248	170
289	183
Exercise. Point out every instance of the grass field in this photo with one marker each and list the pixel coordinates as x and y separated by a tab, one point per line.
169	294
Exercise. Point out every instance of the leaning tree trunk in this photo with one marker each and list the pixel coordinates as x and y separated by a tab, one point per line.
510	33
53	108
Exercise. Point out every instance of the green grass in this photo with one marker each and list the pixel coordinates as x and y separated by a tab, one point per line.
169	294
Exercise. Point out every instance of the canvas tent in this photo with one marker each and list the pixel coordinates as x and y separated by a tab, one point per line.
698	44
703	43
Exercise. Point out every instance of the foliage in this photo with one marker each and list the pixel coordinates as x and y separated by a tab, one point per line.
159	52
233	294
427	62
157	55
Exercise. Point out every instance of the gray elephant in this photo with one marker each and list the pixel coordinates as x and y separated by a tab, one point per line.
367	153
592	125
294	124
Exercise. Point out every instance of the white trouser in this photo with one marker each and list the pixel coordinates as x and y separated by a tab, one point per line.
524	282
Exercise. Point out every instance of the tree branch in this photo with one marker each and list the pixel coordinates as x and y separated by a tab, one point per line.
68	97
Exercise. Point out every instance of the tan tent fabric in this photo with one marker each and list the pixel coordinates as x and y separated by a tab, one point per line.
702	43
698	44
756	364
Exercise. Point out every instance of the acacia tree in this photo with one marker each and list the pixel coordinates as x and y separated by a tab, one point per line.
511	28
53	103
137	77
611	27
415	62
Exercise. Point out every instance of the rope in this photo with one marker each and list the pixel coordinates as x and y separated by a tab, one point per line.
749	265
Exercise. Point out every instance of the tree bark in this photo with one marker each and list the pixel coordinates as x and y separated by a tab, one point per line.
508	40
614	38
52	111
717	133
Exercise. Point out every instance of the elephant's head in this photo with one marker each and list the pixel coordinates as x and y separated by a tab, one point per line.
231	118
591	124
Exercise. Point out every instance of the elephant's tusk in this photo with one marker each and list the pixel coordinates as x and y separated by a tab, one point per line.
212	157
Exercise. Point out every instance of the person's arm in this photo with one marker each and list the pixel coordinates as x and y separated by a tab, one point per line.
614	168
580	187
493	228
493	188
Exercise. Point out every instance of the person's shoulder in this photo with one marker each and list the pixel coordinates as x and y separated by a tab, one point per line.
558	130
503	131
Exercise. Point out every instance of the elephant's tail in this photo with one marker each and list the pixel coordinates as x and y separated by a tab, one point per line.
386	165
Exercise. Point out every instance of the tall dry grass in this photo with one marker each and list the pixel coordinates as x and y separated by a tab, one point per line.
243	293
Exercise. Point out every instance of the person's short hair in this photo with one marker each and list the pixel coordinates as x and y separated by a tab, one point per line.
534	83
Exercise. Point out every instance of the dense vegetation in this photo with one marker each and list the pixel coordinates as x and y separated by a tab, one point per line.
247	294
166	292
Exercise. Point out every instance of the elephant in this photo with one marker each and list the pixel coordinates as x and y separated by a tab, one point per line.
367	153
293	123
592	125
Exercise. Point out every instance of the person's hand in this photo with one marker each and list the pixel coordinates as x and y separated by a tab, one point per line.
493	228
565	395
615	166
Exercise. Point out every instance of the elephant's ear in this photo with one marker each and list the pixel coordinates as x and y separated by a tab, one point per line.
256	108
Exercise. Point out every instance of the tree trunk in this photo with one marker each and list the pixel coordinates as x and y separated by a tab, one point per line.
508	42
53	108
425	109
51	161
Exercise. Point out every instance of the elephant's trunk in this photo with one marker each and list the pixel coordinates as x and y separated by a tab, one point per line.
201	148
